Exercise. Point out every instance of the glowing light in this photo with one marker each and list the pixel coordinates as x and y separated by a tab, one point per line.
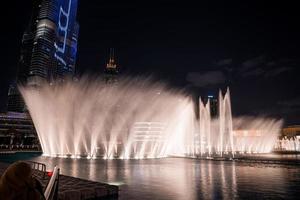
64	29
116	183
49	173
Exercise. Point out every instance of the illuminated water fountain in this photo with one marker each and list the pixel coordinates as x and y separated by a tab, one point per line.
139	118
226	135
216	135
289	144
135	118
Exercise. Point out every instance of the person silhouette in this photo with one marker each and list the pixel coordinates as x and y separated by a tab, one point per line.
17	182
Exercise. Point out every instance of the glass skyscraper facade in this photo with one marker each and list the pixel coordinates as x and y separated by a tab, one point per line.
49	47
55	41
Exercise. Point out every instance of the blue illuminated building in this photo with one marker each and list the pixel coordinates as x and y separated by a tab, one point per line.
66	41
48	54
54	43
49	47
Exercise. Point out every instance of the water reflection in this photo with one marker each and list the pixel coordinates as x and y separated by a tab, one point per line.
234	185
179	178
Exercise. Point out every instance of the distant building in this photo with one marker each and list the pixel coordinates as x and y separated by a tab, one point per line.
15	102
243	133
151	133
214	105
111	70
289	140
291	131
17	132
148	132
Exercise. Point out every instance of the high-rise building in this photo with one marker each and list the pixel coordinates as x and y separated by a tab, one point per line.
214	105
48	54
49	47
17	132
15	102
66	40
111	70
55	42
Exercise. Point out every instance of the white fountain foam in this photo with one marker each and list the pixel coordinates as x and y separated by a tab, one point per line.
139	118
227	135
90	118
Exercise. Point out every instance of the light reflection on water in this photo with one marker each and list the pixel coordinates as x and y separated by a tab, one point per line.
179	178
184	179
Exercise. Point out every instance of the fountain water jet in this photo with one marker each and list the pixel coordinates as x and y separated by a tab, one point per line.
225	120
88	118
204	124
227	135
138	118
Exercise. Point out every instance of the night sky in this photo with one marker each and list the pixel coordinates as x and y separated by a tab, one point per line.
251	47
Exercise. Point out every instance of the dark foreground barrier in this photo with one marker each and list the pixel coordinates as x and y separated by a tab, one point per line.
57	186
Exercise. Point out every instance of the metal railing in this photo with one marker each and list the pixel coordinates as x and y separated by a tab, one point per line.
39	168
39	171
51	191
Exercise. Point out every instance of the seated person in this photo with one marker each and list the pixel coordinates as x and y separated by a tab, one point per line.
17	183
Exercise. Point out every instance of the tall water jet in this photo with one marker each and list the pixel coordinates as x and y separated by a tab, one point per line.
255	134
205	126
289	144
225	136
225	127
137	118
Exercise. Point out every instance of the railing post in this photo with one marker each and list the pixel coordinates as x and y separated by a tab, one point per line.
51	191
56	187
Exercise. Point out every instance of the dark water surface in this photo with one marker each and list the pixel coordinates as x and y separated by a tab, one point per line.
183	178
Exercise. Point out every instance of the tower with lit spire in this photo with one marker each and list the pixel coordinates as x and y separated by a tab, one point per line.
111	70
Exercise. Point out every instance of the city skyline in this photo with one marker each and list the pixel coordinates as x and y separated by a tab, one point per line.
253	50
154	99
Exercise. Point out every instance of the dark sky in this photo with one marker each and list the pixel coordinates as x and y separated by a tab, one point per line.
251	47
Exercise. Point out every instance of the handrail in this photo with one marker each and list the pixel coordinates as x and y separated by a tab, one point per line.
37	166
52	186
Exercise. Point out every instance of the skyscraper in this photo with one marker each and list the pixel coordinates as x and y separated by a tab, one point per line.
55	42
111	70
66	40
214	106
49	47
15	102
